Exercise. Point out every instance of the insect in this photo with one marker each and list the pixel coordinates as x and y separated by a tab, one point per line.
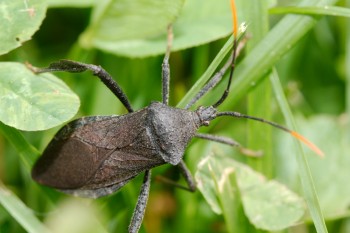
96	156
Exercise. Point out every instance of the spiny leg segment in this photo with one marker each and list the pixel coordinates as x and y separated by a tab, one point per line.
141	204
166	68
230	142
78	67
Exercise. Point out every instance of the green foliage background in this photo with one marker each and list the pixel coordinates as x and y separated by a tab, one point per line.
299	62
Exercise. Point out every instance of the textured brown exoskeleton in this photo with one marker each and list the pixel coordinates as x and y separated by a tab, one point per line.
96	156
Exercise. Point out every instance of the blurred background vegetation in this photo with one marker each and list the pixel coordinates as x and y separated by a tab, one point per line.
312	66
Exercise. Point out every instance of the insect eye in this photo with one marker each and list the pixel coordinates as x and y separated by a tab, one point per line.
206	123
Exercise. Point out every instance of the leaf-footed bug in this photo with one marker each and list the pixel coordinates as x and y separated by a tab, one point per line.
96	156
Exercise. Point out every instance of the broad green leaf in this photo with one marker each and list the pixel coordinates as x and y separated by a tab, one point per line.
118	23
19	20
330	173
18	210
268	205
33	102
138	28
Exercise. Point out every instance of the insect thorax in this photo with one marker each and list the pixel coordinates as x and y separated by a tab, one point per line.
171	129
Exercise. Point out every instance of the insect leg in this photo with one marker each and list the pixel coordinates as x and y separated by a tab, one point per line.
140	208
77	67
214	80
230	142
234	54
211	84
191	184
188	176
166	67
220	139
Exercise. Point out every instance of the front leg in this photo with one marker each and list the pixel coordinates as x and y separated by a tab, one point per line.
77	67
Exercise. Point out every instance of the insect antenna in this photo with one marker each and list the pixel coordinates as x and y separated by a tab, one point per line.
293	133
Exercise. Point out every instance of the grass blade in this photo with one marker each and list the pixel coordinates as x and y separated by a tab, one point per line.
325	10
310	194
259	100
16	208
26	152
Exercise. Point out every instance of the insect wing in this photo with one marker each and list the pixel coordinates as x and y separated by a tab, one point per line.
97	152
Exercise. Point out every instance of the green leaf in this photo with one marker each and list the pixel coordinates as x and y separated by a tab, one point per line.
33	102
121	24
129	28
70	3
20	211
268	205
19	20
